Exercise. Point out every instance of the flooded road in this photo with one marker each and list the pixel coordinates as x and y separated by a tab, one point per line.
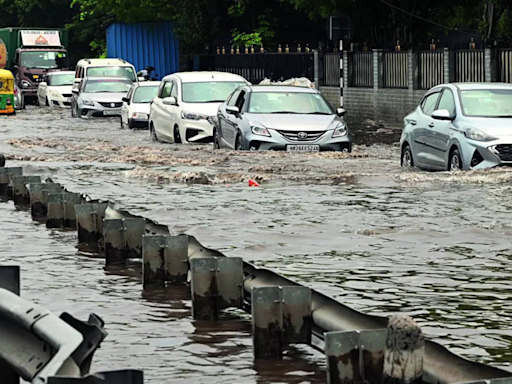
382	240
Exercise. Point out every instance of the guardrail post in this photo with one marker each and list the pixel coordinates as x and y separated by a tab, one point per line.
55	211
217	283
5	179
39	198
89	217
267	325
70	199
297	321
153	261
10	280
19	189
123	239
176	259
405	349
355	357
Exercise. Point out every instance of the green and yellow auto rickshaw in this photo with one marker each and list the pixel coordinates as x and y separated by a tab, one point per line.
6	92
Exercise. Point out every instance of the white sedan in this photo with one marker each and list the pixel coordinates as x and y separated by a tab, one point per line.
136	104
55	89
185	108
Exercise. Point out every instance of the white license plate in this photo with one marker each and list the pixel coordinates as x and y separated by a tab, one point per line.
112	113
303	148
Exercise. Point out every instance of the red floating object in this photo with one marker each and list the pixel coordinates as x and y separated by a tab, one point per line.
253	183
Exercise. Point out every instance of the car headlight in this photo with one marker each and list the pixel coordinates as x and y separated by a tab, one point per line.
340	130
25	84
478	135
54	93
141	116
192	116
87	102
259	130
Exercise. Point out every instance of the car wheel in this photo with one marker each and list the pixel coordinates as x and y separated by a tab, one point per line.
216	143
407	160
152	133
455	162
177	137
239	146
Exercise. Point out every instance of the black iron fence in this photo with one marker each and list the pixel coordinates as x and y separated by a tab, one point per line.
395	70
430	69
470	66
331	69
256	67
360	69
504	60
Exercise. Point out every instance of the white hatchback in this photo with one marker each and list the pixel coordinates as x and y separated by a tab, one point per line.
55	89
185	108
136	104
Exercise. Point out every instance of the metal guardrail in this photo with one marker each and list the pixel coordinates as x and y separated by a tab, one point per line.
262	291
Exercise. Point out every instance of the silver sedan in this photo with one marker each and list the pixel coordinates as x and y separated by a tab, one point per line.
460	127
294	119
99	96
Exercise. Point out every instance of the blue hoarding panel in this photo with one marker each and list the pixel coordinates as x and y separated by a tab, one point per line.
143	44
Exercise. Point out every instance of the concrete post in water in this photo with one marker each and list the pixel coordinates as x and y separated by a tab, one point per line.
217	283
19	188
10	280
70	199
267	326
176	259
55	211
405	349
355	357
153	261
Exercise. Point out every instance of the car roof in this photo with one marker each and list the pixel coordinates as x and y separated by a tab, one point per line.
282	88
60	73
95	62
198	77
107	78
476	86
147	83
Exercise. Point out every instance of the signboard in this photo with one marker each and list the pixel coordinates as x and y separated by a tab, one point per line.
40	38
3	54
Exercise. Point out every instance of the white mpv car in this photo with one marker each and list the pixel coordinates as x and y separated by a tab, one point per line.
185	108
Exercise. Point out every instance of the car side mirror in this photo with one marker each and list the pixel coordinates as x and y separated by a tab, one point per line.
75	91
126	100
170	101
341	112
43	84
232	110
442	114
141	78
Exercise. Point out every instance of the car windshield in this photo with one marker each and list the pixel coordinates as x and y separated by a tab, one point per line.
44	59
289	103
144	95
210	92
487	102
111	71
65	79
107	86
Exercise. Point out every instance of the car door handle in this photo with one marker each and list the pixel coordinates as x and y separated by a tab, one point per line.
431	125
413	122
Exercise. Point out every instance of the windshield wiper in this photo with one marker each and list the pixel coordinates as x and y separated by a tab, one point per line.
285	112
215	101
318	113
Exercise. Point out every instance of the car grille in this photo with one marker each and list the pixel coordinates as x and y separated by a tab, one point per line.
111	105
504	151
302	135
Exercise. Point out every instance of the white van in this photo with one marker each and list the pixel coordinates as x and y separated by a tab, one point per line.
104	68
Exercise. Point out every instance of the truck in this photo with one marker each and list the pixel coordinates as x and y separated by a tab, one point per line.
32	53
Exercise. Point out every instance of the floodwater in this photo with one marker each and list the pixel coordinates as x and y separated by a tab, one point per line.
382	240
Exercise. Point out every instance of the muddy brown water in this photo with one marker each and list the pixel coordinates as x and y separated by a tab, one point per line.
382	240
